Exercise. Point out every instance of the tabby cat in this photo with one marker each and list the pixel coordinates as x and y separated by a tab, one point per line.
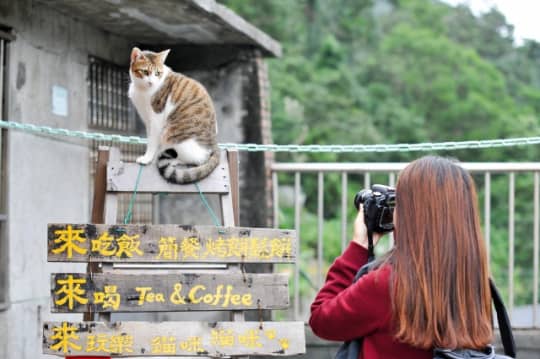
179	117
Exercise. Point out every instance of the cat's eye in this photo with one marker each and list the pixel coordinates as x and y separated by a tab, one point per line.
158	73
145	72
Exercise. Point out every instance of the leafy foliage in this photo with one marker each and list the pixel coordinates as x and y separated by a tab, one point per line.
403	71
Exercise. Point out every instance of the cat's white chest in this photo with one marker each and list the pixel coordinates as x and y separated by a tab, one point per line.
142	100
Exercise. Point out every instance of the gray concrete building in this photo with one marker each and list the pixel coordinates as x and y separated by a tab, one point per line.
65	64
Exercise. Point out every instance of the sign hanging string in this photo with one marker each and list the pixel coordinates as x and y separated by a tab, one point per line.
207	205
129	213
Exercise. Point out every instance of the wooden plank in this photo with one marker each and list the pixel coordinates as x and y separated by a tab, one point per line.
217	339
100	185
135	243
121	177
230	205
80	292
111	208
110	217
235	190
227	210
98	205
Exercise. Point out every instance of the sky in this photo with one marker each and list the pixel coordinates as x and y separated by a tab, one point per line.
523	14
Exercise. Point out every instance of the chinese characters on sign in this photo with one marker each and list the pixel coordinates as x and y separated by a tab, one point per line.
197	338
153	291
125	243
67	241
64	338
108	246
171	248
71	290
78	292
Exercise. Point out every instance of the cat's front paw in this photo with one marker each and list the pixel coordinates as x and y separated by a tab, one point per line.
144	160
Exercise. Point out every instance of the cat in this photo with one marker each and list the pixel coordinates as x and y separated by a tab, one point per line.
179	117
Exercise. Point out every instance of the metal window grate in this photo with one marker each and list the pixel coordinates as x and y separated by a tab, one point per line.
110	110
109	105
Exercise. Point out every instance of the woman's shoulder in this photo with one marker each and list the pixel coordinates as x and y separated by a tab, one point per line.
377	278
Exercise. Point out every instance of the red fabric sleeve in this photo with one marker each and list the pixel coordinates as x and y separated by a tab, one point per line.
342	311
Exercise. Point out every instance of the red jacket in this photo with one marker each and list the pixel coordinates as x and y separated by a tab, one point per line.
342	311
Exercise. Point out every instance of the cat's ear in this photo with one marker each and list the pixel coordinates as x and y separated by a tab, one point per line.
163	55
135	54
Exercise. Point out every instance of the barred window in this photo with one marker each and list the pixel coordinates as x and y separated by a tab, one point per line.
109	104
110	111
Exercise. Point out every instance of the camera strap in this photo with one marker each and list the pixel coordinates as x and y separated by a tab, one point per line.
507	338
371	248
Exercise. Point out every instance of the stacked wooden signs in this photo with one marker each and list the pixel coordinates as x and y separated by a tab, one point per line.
112	292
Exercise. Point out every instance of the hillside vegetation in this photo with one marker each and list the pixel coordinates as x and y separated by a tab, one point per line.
402	71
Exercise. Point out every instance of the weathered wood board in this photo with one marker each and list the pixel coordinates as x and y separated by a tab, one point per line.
81	292
121	178
221	339
169	244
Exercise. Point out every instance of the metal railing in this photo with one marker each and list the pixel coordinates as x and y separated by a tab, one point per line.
486	176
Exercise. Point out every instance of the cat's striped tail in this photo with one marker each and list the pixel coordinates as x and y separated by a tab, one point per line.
173	172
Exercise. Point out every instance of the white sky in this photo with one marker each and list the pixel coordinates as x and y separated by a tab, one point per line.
523	14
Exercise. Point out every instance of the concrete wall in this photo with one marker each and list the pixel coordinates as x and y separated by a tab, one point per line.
47	178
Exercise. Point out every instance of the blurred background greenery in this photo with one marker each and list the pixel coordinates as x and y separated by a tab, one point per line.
401	71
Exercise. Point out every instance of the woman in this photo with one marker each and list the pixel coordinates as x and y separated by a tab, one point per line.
431	290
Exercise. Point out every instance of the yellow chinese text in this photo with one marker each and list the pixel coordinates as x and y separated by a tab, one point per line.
71	288
62	335
163	345
68	238
109	298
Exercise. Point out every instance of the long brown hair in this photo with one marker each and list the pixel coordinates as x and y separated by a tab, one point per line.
440	294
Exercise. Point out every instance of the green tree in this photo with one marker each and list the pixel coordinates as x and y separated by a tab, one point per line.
401	71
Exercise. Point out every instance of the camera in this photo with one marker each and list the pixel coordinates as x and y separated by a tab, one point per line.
379	203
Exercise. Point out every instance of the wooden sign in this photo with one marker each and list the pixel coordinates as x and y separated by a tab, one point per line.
121	177
169	244
78	292
221	339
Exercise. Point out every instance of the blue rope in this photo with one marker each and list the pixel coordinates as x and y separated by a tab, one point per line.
210	210
129	213
251	147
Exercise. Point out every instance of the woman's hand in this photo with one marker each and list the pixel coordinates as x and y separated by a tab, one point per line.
360	230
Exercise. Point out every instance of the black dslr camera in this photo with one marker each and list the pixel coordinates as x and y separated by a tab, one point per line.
379	202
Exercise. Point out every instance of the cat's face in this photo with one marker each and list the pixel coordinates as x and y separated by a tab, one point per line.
147	69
